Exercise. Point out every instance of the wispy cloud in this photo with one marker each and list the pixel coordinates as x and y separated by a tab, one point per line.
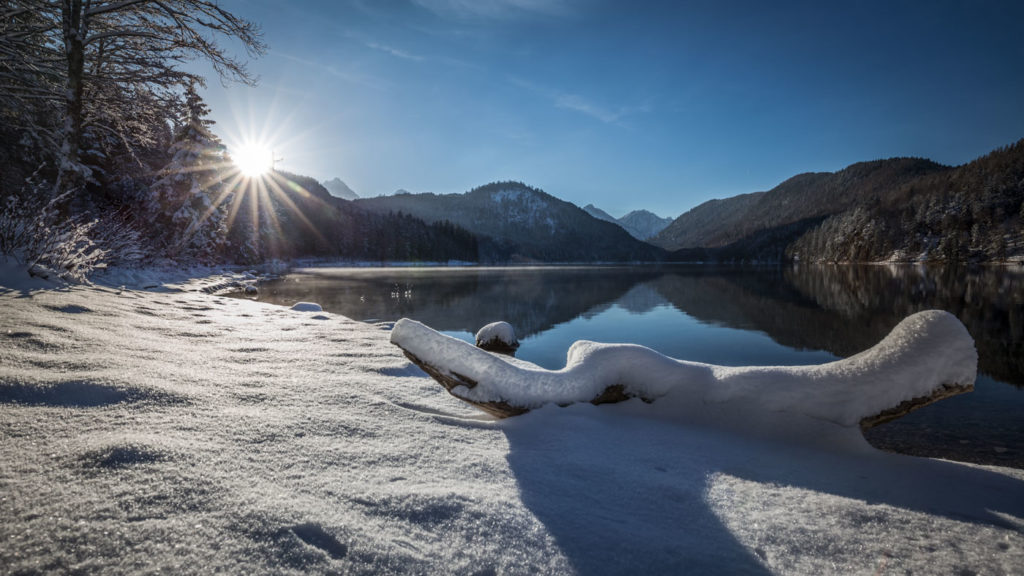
395	52
577	103
498	9
332	70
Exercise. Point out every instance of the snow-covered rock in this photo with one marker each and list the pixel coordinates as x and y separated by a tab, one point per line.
307	307
497	337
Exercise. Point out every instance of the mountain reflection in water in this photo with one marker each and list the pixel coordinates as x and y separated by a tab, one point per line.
789	315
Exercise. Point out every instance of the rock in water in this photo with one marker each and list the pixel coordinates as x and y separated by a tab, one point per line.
498	337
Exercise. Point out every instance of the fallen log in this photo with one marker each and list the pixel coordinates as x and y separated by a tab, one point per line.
927	357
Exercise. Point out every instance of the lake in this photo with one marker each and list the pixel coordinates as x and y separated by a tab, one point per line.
722	315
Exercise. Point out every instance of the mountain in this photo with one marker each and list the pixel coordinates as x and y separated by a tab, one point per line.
971	213
300	218
643	224
529	224
640	224
339	189
760	225
599	214
894	210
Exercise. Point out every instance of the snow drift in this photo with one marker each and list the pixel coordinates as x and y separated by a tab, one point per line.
928	356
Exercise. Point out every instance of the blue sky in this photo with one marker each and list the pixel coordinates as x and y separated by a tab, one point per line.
627	105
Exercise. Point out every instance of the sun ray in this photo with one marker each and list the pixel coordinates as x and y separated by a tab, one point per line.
275	186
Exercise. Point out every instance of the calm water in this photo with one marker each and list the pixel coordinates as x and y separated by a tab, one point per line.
729	316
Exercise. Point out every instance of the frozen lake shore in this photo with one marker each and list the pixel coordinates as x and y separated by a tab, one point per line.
171	430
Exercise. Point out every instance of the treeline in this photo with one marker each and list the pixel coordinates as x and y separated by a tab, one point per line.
899	209
521	224
287	216
973	213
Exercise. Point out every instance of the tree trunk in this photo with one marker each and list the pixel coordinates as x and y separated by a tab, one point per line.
70	176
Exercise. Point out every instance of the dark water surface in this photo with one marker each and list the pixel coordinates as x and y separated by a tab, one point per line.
728	316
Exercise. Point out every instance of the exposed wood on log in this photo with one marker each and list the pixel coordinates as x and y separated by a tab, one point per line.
908	406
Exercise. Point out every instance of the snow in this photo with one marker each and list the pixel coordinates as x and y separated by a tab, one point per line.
924	352
166	430
501	332
14	276
307	307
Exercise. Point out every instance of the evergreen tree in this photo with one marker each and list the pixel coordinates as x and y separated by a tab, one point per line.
187	200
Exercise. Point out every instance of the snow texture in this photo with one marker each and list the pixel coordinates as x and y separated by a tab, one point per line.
924	352
307	307
502	332
168	430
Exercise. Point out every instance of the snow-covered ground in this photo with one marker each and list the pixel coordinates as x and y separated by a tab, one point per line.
171	430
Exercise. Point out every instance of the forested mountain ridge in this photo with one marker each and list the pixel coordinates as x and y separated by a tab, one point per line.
804	198
898	210
298	217
974	212
530	223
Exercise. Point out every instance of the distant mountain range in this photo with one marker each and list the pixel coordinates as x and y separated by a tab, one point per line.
899	209
801	201
525	223
641	224
339	189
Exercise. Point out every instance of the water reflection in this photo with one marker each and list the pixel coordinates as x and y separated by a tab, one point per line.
794	315
838	309
533	300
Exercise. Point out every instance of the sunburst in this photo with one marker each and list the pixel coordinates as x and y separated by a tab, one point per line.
253	159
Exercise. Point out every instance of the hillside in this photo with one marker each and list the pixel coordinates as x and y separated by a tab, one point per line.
531	224
295	216
803	200
974	212
599	214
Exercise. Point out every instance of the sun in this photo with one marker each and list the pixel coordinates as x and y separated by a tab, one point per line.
253	160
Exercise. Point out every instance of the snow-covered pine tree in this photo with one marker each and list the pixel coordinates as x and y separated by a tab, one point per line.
88	79
186	202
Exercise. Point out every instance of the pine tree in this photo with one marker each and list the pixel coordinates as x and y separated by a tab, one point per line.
187	200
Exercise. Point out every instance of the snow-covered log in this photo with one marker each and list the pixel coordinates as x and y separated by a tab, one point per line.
927	357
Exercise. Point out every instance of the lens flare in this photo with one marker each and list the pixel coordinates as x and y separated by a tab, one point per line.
253	160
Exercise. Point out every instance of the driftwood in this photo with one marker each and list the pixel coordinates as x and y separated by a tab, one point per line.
452	380
616	393
929	354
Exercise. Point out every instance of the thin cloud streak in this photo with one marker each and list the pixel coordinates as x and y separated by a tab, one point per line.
395	52
498	9
583	105
333	71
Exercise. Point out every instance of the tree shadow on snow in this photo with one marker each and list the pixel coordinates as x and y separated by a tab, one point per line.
628	495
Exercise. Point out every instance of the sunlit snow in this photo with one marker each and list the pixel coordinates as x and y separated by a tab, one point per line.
171	430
